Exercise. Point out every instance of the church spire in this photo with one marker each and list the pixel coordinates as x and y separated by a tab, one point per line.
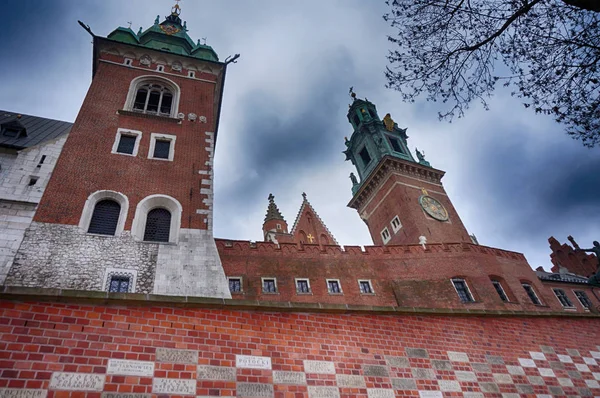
273	212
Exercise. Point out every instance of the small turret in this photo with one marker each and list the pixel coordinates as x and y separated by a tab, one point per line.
274	223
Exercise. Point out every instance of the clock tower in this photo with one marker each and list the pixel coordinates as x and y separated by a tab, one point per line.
399	198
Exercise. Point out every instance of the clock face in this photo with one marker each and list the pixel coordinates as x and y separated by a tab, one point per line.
169	29
434	208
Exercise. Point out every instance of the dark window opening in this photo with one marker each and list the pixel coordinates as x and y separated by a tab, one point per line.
140	99
33	181
562	297
126	144
463	291
302	286
531	293
333	287
372	114
395	144
167	100
500	291
153	100
269	286
161	149
364	155
356	120
105	217
41	162
583	299
158	225
365	287
119	284
235	285
11	132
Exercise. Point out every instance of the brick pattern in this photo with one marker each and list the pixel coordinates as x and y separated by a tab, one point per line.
74	350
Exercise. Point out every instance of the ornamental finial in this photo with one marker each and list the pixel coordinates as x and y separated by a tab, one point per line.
271	197
304	195
352	93
176	10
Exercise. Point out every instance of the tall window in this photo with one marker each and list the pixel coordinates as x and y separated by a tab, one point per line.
269	285
462	290
162	149
158	225
562	297
365	286
105	217
302	286
333	286
583	299
154	99
126	144
119	284
395	144
500	291
531	293
235	285
364	155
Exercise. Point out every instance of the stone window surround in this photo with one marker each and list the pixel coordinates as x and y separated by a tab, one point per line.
399	224
461	279
152	202
565	307
497	282
307	282
372	293
383	238
262	285
339	285
578	299
146	79
162	137
135	133
130	273
90	204
241	283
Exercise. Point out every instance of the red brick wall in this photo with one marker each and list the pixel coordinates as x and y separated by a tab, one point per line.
577	262
38	339
86	164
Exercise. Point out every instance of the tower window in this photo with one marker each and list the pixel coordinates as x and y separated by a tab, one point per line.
41	162
153	99
105	217
32	181
160	68
302	286
162	146
583	299
161	149
235	285
333	286
356	120
395	143
562	297
462	290
191	74
531	293
396	224
128	61
119	284
385	235
158	225
269	285
500	291
364	155
126	144
365	287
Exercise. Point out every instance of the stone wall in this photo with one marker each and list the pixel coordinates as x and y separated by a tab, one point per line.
63	256
94	350
15	217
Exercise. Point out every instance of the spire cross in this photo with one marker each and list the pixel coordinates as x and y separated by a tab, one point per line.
271	197
310	238
304	195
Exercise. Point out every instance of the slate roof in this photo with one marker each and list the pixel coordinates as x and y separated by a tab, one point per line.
558	277
38	129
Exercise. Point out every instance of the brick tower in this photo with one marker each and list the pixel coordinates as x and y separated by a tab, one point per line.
129	205
400	199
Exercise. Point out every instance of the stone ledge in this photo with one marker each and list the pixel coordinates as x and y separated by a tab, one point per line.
19	293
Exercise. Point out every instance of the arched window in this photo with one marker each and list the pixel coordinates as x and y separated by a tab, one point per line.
105	217
158	225
324	240
302	237
153	95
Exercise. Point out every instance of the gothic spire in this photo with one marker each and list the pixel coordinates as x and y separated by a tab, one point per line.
273	212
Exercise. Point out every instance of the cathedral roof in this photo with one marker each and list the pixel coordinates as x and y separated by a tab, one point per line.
304	221
31	130
273	212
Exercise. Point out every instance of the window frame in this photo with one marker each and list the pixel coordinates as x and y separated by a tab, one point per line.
566	298
371	291
262	285
94	211
364	148
468	290
296	280
399	224
341	292
383	239
123	272
162	137
90	204
229	278
138	227
528	284
138	137
392	139
495	283
586	308
140	81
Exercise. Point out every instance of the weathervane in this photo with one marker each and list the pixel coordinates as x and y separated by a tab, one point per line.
129	22
352	93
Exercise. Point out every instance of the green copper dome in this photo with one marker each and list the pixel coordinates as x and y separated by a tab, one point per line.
169	35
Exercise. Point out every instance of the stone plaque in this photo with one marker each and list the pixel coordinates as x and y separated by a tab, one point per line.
481	367
423	374
527	363
463	375
416	352
380	393
130	368
350	381
540	356
252	362
438	364
449	386
404	384
582	367
515	370
503	378
489	387
458	356
397	362
124	395
524	389
76	381
494	359
547	349
592	383
536	380
280	377
573	352
546	372
254	389
375	370
319	367
173	386
595	354
596	375
430	394
323	392
176	356
556	390
207	372
565	382
564	358
22	393
475	395
590	361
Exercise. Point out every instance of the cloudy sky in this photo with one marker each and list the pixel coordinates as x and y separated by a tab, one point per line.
514	177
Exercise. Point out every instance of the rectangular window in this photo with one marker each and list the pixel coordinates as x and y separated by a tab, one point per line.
333	286
396	225
269	285
385	235
562	297
33	181
364	155
463	290
395	144
531	293
235	285
161	149
119	284
126	144
583	299
162	146
365	287
500	291
302	286
41	162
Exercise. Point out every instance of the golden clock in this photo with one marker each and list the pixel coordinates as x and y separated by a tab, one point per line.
434	208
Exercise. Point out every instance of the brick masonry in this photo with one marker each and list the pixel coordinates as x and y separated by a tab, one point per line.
65	349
